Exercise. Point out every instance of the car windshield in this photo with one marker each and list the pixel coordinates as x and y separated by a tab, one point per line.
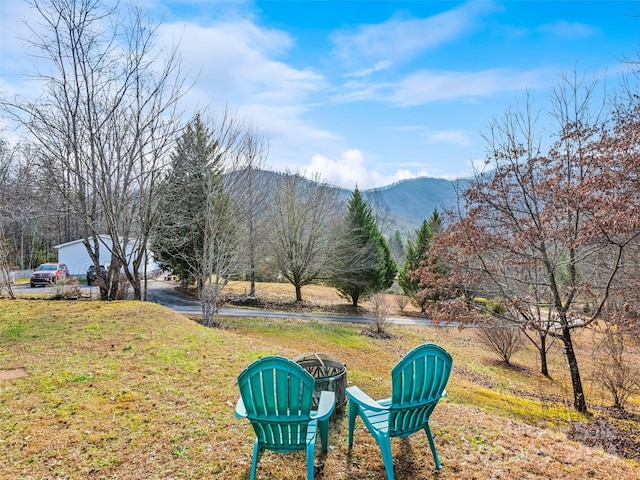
47	267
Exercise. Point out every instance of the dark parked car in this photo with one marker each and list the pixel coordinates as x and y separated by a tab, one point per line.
91	274
48	273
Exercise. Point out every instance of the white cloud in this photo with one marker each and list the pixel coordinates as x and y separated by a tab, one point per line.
235	61
455	137
382	65
568	30
426	86
238	67
404	38
16	19
350	169
290	138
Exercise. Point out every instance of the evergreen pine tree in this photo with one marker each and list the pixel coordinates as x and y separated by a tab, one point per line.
415	254
178	235
363	263
397	246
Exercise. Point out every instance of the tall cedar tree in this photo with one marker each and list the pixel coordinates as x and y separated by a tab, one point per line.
179	234
200	228
364	261
407	278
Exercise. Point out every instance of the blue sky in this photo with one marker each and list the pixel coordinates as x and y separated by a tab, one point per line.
372	92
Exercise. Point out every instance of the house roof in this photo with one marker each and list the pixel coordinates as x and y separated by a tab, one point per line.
103	240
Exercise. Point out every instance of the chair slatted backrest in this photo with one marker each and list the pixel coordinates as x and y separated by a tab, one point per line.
277	394
417	384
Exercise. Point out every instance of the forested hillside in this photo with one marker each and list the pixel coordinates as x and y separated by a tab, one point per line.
407	203
412	201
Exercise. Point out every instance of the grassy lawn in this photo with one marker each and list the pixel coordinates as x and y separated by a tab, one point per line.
128	390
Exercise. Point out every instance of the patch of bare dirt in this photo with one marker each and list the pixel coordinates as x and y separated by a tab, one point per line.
378	334
13	373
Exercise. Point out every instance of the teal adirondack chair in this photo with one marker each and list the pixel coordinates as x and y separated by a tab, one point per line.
276	395
418	382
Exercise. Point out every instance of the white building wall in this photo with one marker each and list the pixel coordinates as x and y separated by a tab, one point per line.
74	255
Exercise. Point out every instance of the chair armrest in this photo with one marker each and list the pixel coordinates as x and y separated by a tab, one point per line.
241	411
326	405
358	396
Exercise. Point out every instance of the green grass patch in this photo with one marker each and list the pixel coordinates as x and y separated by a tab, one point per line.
135	391
14	332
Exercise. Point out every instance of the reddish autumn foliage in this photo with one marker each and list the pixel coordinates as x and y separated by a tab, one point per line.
552	233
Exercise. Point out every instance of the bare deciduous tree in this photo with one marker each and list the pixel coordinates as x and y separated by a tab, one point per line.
254	190
535	230
5	275
5	167
380	211
401	300
104	122
304	217
379	327
616	367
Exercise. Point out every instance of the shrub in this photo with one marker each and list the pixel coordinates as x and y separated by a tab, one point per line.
492	307
379	316
615	367
66	289
401	301
502	338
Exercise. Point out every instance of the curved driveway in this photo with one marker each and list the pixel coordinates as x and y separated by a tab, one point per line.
165	294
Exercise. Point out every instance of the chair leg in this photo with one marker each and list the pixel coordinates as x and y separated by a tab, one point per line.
353	413
433	447
324	434
387	457
254	460
310	459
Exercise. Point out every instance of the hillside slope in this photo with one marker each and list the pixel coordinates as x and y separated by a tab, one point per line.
408	202
412	201
133	391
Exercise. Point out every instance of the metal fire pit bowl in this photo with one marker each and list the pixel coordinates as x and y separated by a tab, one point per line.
329	372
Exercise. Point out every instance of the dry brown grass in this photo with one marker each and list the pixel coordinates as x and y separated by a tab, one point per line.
124	390
315	298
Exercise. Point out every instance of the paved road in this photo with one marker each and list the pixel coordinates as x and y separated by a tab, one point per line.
165	294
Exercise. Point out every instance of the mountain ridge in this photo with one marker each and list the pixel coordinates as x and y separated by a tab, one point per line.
406	202
413	200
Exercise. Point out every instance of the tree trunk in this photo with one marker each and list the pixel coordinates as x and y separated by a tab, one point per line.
137	286
354	300
298	293
544	367
579	402
252	253
252	279
208	313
